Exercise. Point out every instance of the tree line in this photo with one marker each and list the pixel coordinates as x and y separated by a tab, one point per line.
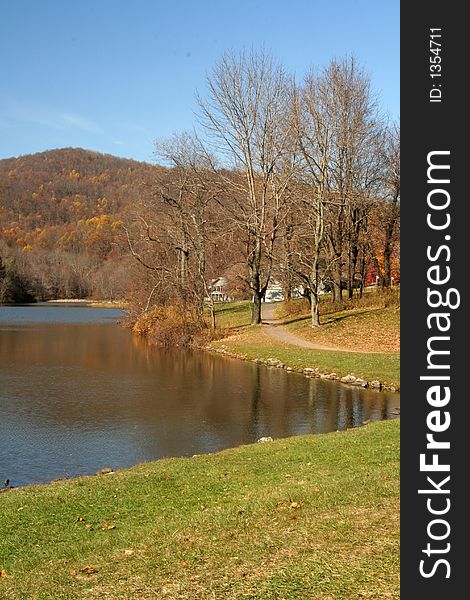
297	181
286	180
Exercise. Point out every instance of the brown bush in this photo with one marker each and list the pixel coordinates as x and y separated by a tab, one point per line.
169	326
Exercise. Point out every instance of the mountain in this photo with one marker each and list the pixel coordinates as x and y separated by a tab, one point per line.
59	217
59	187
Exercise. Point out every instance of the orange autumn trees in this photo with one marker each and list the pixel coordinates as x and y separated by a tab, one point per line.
59	212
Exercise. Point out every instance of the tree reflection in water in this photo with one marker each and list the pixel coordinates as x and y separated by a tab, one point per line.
78	396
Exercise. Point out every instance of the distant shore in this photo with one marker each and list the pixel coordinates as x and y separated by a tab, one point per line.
96	303
71	300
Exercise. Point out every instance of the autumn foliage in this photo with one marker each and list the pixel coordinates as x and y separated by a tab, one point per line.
60	217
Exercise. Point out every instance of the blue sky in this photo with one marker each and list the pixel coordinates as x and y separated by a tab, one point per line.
114	75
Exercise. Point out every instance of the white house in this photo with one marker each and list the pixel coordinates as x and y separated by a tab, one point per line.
218	289
274	292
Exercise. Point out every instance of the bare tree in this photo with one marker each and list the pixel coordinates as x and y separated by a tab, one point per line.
245	115
314	138
353	166
189	193
336	130
391	155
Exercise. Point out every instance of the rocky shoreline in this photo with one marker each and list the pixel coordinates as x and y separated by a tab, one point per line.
309	372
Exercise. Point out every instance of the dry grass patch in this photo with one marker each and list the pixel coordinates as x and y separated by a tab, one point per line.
364	329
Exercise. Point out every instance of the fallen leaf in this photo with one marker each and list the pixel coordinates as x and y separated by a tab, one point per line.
295	504
72	573
88	570
3	573
128	552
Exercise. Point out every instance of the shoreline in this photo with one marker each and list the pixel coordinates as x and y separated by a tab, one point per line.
222	346
70	300
309	372
95	303
106	471
365	365
188	521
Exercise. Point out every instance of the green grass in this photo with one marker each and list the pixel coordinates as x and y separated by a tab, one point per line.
310	517
370	325
233	315
254	343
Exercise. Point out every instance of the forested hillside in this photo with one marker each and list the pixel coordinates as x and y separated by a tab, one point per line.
60	216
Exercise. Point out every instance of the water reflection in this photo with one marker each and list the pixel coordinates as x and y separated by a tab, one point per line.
76	396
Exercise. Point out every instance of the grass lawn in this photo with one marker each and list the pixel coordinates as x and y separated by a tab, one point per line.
310	517
233	314
371	330
254	343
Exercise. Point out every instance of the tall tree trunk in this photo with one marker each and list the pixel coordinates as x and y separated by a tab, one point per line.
258	288
314	308
212	312
287	270
336	281
256	307
353	256
183	267
314	282
387	278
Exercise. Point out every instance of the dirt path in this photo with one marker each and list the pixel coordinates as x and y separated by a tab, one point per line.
274	328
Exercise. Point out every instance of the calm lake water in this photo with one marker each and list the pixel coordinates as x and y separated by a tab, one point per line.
79	393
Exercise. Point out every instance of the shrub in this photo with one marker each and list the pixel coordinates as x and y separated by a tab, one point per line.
169	326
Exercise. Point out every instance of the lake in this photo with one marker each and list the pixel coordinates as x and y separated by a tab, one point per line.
79	393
